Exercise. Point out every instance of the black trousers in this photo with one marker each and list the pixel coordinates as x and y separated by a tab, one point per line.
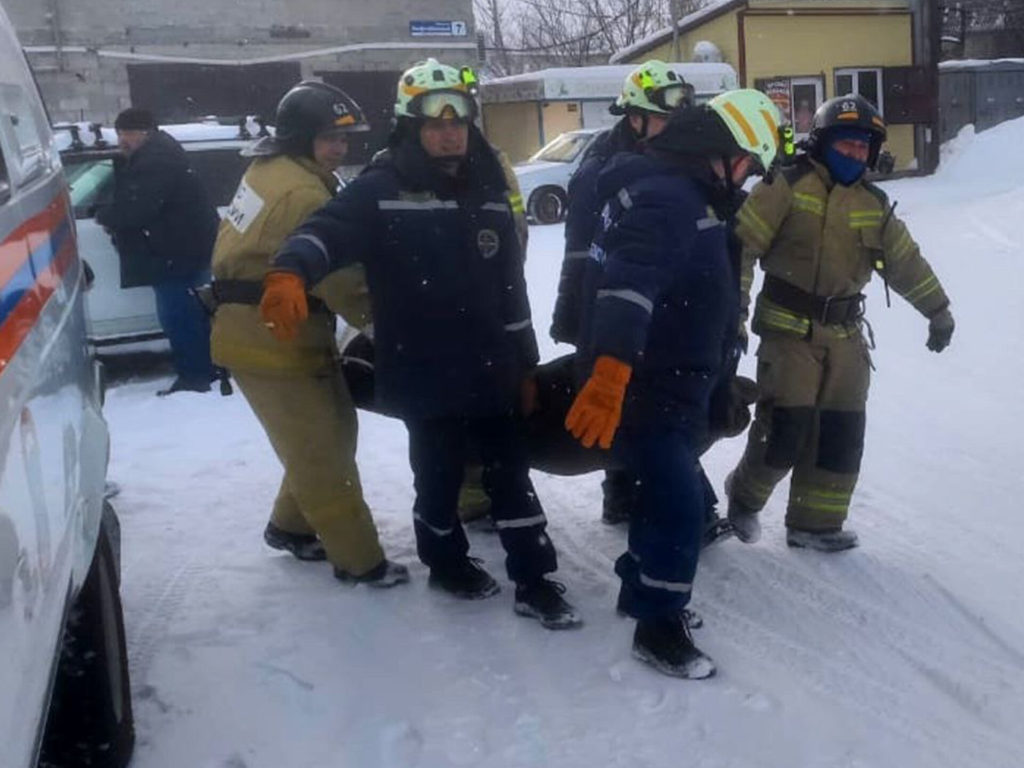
438	449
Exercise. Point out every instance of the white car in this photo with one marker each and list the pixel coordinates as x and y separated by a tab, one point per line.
544	178
115	314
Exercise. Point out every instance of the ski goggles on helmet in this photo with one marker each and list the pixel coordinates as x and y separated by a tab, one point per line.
448	105
670	97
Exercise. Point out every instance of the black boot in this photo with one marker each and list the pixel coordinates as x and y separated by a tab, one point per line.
465	578
305	546
542	600
665	643
386	574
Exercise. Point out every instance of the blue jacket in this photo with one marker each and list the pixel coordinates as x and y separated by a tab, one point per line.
661	291
452	326
581	224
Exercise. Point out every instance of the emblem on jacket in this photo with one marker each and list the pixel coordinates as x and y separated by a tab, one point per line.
487	242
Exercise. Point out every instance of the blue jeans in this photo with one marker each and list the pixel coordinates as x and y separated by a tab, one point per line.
667	524
187	326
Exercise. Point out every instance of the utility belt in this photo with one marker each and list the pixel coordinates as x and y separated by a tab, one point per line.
250	292
828	310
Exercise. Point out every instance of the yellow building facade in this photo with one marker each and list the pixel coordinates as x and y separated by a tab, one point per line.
803	52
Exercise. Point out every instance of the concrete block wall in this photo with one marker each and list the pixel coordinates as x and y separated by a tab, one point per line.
90	86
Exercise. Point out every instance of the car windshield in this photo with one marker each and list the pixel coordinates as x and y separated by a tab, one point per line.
563	149
91	183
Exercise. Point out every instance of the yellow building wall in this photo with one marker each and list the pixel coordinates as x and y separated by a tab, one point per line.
559	117
513	128
796	46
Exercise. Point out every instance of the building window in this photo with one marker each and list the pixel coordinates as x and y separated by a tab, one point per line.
796	97
863	82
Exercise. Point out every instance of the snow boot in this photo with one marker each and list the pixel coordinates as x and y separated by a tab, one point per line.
745	524
665	643
386	574
542	600
466	579
305	546
823	541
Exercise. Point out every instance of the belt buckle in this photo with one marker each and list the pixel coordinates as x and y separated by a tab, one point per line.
823	318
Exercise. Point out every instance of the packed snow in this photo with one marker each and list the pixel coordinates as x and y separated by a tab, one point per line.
907	652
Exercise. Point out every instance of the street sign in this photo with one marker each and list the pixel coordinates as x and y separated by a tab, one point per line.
438	28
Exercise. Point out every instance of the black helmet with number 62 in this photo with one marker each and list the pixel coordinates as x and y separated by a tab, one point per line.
849	111
308	109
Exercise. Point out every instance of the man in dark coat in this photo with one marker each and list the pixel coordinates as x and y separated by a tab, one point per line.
164	227
657	335
650	93
431	222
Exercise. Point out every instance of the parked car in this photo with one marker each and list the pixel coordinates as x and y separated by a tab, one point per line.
544	178
115	314
64	689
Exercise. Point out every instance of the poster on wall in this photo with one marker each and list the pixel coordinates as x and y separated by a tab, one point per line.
777	89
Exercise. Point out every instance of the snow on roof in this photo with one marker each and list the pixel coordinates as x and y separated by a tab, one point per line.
601	82
660	35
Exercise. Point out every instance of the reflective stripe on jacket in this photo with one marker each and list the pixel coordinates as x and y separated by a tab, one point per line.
827	239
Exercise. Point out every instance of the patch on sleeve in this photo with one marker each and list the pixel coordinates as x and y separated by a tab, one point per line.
244	208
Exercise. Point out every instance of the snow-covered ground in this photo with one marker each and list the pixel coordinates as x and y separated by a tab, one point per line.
907	652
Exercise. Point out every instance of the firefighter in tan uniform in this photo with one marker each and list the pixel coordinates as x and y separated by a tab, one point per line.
294	387
820	231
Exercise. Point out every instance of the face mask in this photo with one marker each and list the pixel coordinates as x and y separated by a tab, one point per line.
845	170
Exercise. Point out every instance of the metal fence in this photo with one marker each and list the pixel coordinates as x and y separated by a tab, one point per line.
983	94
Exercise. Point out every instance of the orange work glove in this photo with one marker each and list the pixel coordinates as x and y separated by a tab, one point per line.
283	306
597	410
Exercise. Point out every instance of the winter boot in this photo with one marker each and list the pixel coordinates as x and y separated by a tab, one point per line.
665	643
823	541
465	578
745	525
542	600
305	546
386	574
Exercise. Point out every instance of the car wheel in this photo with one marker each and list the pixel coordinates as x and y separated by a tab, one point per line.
548	205
91	721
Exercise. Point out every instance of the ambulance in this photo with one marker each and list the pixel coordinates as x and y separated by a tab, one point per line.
64	688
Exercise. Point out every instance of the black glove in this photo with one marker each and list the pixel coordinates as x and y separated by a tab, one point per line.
940	330
729	412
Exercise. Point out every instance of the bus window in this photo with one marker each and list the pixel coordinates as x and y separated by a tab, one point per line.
22	133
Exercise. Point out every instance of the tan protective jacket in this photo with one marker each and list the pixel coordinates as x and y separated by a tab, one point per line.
274	197
827	239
